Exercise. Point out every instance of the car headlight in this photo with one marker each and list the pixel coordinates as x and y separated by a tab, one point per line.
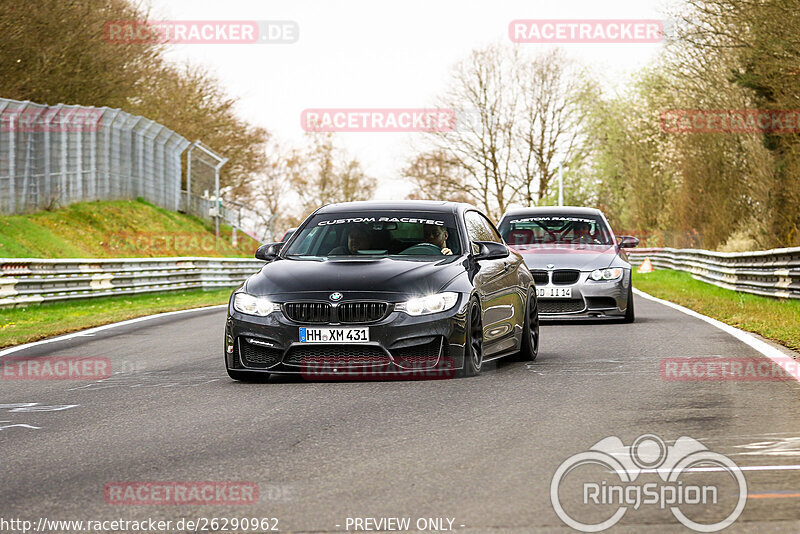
606	274
429	304
252	305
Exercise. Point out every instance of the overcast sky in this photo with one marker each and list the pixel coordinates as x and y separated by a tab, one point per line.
380	53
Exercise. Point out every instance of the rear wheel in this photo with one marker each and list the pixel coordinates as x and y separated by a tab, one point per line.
248	376
473	345
530	331
630	315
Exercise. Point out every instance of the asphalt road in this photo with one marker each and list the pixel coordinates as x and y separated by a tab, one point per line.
480	451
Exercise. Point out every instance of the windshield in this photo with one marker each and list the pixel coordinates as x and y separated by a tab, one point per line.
426	235
555	229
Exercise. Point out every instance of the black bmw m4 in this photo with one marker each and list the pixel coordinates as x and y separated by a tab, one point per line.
406	289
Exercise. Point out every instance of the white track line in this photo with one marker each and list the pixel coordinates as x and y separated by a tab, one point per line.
92	331
745	337
720	469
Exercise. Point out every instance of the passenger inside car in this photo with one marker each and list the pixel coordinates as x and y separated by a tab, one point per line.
358	238
519	237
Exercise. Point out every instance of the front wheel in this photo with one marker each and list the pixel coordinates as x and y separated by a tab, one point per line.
473	343
530	330
630	315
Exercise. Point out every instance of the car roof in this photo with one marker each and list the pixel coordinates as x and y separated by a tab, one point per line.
562	210
390	205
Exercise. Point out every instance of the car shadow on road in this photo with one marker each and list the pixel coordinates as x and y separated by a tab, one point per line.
591	322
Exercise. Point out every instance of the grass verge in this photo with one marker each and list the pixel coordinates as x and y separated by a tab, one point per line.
31	323
115	229
775	319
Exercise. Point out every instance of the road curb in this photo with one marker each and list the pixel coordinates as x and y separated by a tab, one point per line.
94	329
766	349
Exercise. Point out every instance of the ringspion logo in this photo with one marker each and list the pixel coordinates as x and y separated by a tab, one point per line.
705	491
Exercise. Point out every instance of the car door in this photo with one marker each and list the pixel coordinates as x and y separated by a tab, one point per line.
497	289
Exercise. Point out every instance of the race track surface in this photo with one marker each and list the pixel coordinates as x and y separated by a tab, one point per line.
481	451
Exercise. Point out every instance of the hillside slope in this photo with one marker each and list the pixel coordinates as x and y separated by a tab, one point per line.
115	229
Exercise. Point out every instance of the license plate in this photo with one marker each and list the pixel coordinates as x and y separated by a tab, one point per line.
554	292
334	335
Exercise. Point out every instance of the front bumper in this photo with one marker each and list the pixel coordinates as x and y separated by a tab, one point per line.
401	346
590	299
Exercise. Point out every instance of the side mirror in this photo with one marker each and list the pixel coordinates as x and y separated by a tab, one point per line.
268	252
489	250
627	241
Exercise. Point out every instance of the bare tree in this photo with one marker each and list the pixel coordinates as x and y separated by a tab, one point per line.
321	173
270	191
483	88
436	175
551	122
525	121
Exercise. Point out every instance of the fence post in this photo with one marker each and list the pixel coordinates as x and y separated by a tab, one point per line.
25	169
189	177
12	164
79	181
46	157
218	200
3	207
93	160
63	159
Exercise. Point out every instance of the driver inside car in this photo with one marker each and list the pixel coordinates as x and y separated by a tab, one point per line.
582	233
437	235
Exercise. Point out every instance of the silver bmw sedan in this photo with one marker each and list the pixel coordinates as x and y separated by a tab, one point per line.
579	265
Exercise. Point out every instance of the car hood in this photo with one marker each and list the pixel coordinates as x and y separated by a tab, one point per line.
384	275
581	257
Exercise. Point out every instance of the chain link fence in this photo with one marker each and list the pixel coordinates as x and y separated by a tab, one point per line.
52	156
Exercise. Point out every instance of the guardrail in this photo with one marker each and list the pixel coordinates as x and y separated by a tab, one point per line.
32	281
772	273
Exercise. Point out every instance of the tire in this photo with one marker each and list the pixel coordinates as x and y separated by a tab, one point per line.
529	348
630	314
473	346
248	376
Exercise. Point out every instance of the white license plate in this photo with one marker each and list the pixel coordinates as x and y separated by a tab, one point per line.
334	335
554	292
